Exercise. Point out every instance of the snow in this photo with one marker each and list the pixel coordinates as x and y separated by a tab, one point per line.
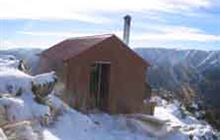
213	62
76	126
2	135
158	101
45	77
188	125
81	127
19	109
167	123
166	114
108	127
208	58
47	135
12	80
8	61
57	104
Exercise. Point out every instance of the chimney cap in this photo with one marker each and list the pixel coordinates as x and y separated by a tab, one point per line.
127	17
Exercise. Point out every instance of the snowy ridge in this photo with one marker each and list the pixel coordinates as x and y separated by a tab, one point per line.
8	61
45	77
212	57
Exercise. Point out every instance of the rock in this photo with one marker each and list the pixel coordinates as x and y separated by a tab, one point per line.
42	86
2	135
21	131
22	66
3	118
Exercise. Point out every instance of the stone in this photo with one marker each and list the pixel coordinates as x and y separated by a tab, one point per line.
3	116
20	131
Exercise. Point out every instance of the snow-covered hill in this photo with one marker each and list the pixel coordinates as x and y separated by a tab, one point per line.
28	113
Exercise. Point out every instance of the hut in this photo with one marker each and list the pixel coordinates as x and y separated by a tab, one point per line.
99	72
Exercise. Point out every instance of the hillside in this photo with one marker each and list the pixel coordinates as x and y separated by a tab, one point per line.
30	110
185	71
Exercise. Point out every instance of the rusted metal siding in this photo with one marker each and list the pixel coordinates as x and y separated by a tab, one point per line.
127	78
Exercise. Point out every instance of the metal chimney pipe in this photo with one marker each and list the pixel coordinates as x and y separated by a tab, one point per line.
126	33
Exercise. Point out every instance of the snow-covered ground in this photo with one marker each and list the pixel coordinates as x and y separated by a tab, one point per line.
22	117
186	123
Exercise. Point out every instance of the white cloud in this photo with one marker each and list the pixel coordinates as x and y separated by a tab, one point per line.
56	34
164	36
11	44
39	39
163	33
176	33
86	10
66	34
5	44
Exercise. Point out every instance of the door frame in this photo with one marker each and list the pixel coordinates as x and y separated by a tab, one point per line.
95	98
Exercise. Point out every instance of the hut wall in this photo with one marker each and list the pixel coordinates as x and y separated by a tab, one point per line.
127	78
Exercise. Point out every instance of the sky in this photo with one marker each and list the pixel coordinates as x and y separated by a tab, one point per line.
180	24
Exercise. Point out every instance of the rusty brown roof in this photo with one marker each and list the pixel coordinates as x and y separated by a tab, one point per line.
74	46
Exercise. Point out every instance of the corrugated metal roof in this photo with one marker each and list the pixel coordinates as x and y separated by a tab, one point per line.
74	46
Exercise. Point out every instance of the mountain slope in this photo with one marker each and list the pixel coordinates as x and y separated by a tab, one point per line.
185	71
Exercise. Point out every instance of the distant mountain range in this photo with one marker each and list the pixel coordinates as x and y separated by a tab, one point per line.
185	72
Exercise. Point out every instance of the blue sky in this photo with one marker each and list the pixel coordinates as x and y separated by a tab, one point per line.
180	24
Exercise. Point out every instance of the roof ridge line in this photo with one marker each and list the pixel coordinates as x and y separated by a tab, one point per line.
91	36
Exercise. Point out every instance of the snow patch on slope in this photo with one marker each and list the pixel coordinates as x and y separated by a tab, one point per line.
188	125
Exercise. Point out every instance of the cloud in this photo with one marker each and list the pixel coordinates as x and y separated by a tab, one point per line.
89	10
161	36
176	33
145	13
56	34
44	39
158	33
11	44
65	34
5	44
